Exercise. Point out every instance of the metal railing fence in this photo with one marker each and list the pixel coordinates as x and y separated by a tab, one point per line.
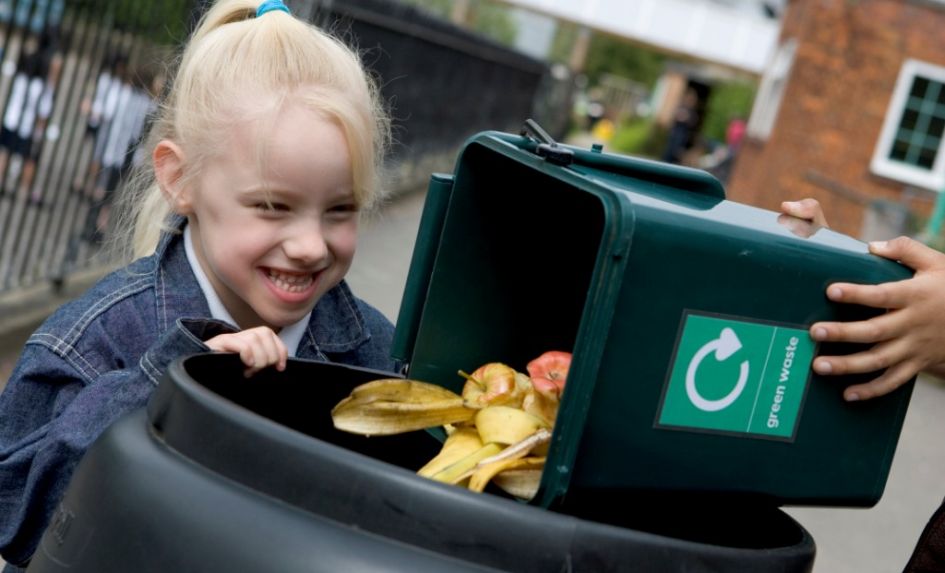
77	81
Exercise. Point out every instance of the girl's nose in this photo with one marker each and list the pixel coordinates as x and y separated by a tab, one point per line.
306	245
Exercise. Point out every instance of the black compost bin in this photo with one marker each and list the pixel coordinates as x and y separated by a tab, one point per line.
228	474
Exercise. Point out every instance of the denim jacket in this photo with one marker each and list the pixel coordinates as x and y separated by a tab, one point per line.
100	357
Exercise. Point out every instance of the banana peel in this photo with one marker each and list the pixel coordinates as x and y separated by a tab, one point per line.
460	469
509	457
485	473
536	444
459	443
393	406
521	483
498	431
399	390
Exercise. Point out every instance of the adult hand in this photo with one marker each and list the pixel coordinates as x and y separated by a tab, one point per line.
258	348
907	339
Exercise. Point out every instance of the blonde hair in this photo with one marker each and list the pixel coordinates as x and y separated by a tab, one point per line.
232	56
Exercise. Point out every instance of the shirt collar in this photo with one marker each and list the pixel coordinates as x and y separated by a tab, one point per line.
336	324
290	335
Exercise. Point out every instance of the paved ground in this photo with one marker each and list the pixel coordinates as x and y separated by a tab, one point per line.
876	540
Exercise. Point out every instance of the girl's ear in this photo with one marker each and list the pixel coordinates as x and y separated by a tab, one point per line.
168	159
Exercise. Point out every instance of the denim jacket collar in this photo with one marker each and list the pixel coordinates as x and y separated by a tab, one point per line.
336	325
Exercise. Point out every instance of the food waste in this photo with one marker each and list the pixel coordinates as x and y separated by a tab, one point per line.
498	430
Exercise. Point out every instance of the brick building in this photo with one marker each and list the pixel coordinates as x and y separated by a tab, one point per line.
851	110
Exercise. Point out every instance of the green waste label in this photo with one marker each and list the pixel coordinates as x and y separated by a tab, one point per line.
735	375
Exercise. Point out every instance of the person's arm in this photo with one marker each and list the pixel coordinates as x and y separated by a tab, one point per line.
54	407
906	340
51	415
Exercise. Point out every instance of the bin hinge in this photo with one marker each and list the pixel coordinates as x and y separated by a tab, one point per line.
547	147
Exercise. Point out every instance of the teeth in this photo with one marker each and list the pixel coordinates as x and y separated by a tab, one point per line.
290	282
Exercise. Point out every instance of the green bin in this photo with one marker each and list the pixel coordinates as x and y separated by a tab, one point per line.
686	313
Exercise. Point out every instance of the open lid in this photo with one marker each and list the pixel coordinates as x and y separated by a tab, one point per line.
485	285
584	168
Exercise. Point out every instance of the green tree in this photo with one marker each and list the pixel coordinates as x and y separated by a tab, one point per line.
491	19
609	55
562	44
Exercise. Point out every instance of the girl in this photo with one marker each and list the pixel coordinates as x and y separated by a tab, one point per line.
263	155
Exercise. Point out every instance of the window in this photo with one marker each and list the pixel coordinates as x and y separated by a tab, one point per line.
764	112
910	146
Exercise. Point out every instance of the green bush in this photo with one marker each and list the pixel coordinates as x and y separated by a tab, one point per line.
631	136
640	137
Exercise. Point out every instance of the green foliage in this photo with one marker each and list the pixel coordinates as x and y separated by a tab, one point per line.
608	55
162	21
726	101
494	21
659	137
565	36
630	137
441	8
491	19
639	136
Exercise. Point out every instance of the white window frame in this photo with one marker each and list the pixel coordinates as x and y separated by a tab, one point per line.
881	164
764	112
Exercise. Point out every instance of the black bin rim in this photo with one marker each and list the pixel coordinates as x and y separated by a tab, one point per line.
334	482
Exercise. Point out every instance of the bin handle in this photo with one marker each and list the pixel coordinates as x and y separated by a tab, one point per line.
547	146
678	177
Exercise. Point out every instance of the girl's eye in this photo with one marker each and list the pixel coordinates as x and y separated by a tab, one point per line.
271	207
344	208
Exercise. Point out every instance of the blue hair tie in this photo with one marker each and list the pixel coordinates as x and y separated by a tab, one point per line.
270	5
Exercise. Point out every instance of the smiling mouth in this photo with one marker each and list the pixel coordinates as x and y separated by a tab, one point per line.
291	282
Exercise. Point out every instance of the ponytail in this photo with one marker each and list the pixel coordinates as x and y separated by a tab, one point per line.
234	57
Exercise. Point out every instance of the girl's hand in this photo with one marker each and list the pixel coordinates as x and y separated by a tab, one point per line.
258	348
906	340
